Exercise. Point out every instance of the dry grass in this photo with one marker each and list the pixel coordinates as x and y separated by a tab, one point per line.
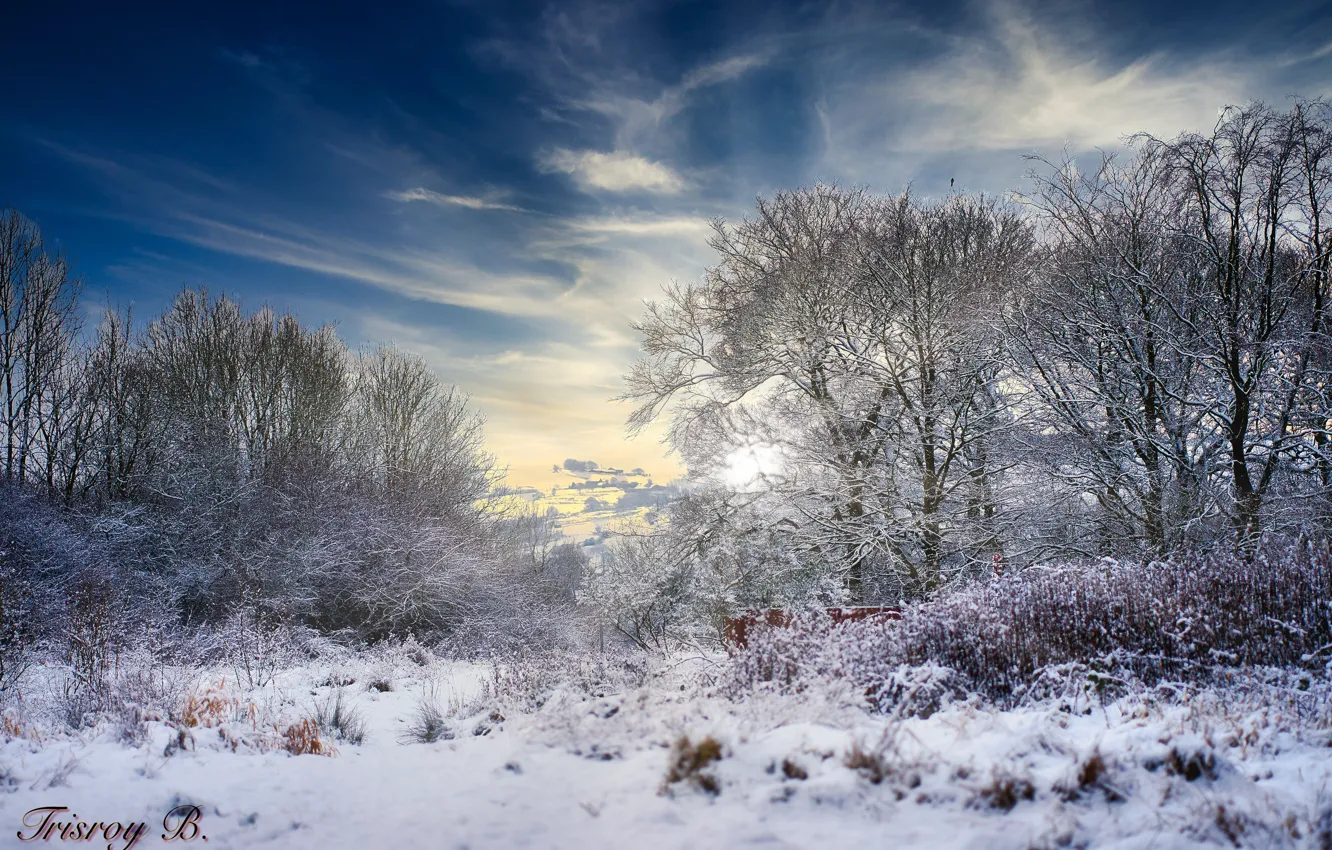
12	726
302	738
213	707
429	722
1004	791
340	720
869	762
1090	775
688	763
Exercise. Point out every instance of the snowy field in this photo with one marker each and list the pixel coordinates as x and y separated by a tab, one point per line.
573	754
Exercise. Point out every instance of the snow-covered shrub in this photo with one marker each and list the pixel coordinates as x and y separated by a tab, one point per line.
846	659
92	638
141	690
643	591
257	645
1181	619
789	656
1072	633
17	631
915	691
527	682
41	548
677	584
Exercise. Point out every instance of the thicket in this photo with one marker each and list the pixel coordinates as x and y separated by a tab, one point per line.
1193	619
239	472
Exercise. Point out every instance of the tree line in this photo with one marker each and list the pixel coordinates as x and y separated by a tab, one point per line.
217	466
1129	358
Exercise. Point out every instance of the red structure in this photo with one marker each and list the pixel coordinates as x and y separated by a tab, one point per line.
736	631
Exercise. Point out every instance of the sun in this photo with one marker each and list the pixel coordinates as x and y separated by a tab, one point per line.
748	466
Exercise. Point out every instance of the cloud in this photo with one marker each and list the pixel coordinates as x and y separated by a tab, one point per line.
404	271
617	171
466	201
243	58
544	401
1013	83
639	121
642	225
718	72
1017	86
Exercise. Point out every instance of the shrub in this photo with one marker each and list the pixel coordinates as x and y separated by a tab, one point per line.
90	648
1175	620
526	682
688	763
17	636
257	644
1084	630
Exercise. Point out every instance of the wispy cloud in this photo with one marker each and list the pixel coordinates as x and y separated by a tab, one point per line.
1014	83
401	270
638	121
650	137
639	225
1017	85
616	171
465	201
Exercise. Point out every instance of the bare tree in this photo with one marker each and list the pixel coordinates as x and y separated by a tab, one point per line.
935	277
1253	198
418	439
852	334
1103	346
38	326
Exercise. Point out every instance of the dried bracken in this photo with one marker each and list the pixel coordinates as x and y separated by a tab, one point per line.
688	763
302	738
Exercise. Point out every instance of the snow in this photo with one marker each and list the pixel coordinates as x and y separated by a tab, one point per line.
586	768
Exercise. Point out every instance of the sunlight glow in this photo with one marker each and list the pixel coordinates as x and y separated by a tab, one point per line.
748	466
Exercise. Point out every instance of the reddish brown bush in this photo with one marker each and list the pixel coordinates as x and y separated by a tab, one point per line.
1101	625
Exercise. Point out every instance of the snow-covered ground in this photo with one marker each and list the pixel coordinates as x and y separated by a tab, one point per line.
587	768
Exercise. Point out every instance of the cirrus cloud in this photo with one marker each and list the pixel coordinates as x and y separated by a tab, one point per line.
616	171
440	199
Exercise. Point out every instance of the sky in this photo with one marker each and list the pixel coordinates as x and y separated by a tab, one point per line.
500	186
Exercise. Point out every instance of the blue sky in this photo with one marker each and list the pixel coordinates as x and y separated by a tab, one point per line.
499	186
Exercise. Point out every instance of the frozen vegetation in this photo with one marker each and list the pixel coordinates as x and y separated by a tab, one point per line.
272	590
1013	714
396	747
